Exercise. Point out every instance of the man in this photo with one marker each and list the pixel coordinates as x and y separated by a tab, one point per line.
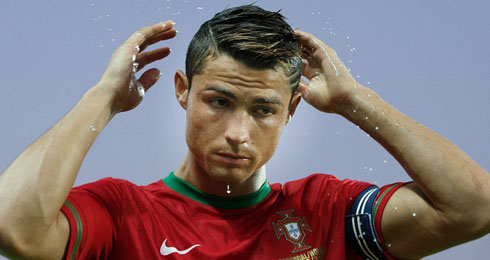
242	87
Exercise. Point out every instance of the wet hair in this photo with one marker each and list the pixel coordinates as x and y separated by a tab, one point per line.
257	38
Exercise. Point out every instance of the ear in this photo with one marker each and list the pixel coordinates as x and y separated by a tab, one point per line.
181	88
294	104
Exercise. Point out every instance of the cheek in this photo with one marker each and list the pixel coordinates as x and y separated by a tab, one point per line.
268	138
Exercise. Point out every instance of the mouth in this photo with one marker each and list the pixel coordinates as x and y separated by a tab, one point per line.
233	159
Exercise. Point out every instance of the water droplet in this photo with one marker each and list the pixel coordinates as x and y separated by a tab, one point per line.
366	118
369	95
350	198
358	76
93	128
385	161
109	29
347	37
92	4
199	8
370	169
377	128
364	233
228	191
414	214
355	111
350	61
396	208
365	167
368	82
331	241
101	46
389	245
113	39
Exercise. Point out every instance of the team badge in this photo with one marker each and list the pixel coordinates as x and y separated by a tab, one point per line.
293	229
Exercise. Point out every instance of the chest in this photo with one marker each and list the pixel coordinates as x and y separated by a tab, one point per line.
279	231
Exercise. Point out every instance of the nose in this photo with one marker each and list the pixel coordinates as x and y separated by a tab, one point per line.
238	128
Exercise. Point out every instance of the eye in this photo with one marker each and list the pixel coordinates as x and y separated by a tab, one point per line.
264	111
219	103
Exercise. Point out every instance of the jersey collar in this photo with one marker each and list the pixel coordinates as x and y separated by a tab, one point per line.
246	201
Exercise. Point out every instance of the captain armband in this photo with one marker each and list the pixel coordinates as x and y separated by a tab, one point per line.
360	226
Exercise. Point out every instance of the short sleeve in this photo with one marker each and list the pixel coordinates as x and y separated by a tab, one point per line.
92	211
363	222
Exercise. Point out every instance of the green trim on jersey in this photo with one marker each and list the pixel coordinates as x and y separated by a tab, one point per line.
79	229
376	204
186	189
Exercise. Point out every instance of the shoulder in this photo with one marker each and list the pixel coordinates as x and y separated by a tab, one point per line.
321	182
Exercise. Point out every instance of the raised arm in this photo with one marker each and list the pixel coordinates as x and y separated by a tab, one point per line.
35	186
449	201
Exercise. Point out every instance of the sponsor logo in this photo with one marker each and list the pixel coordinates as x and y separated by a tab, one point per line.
167	250
293	229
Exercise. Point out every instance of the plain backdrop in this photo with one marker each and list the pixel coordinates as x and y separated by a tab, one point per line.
429	59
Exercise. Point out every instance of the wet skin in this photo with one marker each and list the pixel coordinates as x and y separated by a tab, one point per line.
235	116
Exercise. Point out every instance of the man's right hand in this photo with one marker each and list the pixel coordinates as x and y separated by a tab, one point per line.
35	186
119	73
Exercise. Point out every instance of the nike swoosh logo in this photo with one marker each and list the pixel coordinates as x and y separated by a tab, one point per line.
167	250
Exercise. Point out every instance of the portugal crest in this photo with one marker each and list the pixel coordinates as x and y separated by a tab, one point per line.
293	229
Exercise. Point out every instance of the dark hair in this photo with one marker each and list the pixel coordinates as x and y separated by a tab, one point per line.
255	37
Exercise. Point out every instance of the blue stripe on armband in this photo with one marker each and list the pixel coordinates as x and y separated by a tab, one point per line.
359	225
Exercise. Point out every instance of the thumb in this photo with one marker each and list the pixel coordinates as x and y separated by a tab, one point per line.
149	78
304	89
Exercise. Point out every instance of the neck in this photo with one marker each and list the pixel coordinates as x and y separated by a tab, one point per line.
191	172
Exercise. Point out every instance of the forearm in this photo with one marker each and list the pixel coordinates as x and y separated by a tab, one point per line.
453	182
34	187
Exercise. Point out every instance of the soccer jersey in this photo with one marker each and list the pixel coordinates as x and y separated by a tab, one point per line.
170	219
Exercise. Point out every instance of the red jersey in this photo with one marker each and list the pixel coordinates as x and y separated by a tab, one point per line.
170	219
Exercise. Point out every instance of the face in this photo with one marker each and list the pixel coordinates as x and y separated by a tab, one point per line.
235	116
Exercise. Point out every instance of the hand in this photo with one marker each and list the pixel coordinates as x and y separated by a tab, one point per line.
118	79
330	83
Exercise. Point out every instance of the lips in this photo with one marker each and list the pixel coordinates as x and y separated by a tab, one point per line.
233	159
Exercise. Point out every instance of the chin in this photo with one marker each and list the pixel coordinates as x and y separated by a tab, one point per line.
230	175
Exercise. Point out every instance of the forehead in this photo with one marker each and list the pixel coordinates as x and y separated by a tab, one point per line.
228	71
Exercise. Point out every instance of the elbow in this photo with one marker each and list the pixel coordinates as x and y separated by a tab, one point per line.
472	221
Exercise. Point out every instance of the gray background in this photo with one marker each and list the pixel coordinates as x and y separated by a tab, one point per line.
427	58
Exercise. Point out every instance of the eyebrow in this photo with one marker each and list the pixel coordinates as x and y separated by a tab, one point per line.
228	93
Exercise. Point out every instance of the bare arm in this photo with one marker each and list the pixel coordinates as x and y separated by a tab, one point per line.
35	186
449	201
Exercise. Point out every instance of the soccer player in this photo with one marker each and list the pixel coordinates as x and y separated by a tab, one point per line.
241	87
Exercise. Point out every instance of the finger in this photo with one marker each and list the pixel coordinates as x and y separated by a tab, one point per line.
149	78
148	57
309	71
313	47
159	37
303	88
140	36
